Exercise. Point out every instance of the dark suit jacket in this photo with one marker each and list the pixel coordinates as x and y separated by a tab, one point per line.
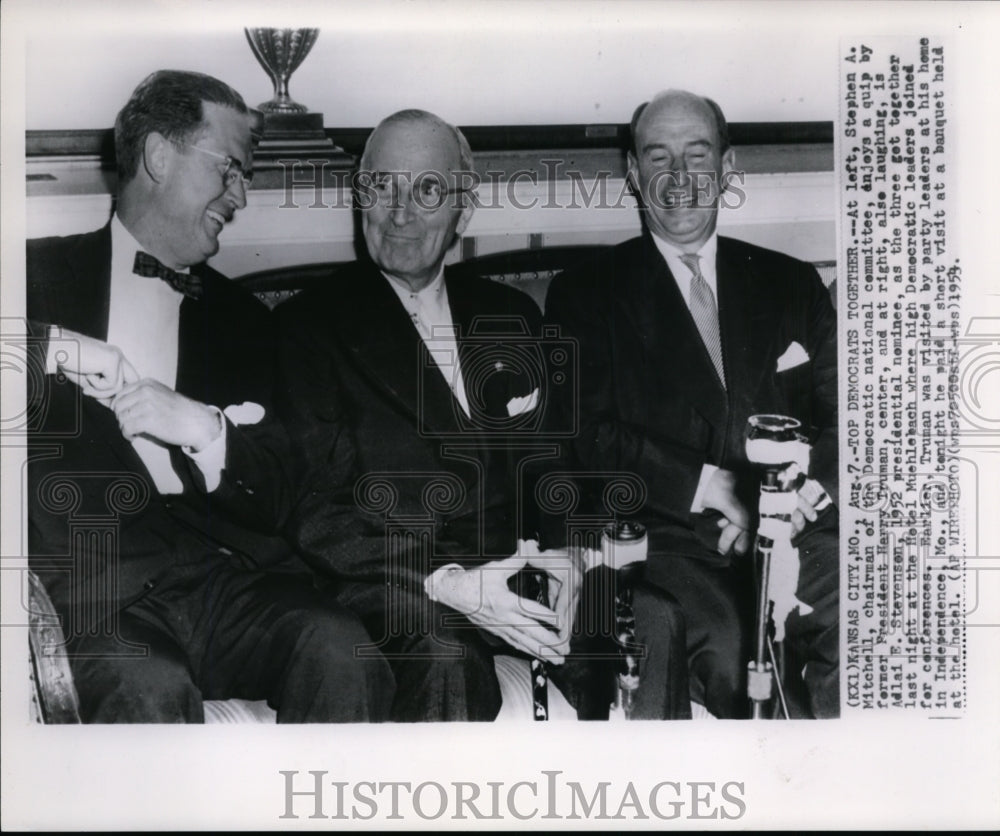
225	356
650	401
384	440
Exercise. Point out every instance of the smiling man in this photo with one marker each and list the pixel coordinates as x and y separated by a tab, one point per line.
402	381
683	335
181	592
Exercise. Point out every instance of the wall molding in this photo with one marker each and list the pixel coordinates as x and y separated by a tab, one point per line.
100	142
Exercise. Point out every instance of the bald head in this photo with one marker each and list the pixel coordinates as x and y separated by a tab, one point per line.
679	98
444	136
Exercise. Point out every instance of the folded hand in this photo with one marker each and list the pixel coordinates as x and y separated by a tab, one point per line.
483	596
148	408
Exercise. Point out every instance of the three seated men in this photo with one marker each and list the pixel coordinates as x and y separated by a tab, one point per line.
381	429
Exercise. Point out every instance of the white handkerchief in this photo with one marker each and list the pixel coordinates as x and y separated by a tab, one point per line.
247	412
795	355
518	406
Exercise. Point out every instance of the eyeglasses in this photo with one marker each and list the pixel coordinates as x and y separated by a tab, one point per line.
428	192
234	168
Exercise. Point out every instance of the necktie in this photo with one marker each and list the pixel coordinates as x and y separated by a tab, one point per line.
705	313
150	267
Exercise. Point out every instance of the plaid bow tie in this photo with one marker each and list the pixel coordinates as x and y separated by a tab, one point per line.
150	267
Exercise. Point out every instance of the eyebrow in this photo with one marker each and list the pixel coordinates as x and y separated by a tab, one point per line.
655	146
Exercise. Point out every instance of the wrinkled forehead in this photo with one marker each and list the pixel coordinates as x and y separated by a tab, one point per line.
414	146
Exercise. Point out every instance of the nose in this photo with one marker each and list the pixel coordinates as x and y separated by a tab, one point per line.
401	208
237	193
679	175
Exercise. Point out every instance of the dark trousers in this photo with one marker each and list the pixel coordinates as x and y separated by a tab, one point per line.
588	677
231	633
813	640
718	606
718	610
444	668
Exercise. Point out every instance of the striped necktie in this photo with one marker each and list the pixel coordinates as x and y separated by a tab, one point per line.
705	314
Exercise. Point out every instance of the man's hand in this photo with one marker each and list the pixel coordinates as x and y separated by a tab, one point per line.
720	495
482	595
150	409
99	369
810	495
565	578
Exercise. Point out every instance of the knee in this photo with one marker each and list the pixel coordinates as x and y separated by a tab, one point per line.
137	690
658	612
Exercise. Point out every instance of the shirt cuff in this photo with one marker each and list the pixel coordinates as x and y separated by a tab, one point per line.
707	472
440	577
52	345
211	460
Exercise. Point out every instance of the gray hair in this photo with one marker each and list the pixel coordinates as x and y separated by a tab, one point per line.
421	116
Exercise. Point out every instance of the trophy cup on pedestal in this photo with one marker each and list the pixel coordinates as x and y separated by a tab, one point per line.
289	129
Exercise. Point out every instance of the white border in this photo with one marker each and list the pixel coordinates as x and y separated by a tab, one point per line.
871	772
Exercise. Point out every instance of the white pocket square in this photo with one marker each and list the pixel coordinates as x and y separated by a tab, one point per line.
795	355
247	412
518	406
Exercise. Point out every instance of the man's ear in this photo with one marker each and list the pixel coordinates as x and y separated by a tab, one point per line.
632	173
466	216
728	161
728	167
156	152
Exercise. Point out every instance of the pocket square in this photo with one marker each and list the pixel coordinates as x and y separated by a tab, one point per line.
795	355
518	406
247	412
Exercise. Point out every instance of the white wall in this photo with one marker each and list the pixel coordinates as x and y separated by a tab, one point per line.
500	63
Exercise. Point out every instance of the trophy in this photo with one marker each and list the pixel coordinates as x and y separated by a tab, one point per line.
289	129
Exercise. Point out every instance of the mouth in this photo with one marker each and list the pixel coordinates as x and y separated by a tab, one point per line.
678	201
218	218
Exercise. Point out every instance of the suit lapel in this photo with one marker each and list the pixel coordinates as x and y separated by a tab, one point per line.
379	335
747	321
82	298
669	333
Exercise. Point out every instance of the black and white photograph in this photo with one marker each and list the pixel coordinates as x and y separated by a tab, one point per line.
435	415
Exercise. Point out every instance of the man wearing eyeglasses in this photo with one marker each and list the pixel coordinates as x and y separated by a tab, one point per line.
404	385
162	369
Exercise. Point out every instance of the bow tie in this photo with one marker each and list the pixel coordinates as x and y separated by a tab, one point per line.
150	267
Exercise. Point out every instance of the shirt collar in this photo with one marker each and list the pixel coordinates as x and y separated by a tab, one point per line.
124	246
681	273
432	290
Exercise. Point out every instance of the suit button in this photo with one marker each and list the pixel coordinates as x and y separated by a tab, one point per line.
168	505
148	585
249	491
239	483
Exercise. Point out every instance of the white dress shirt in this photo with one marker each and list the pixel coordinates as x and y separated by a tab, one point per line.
143	323
431	316
682	276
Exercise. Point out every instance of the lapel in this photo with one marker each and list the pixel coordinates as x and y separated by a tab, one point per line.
486	393
198	320
670	336
81	297
81	301
748	321
386	347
